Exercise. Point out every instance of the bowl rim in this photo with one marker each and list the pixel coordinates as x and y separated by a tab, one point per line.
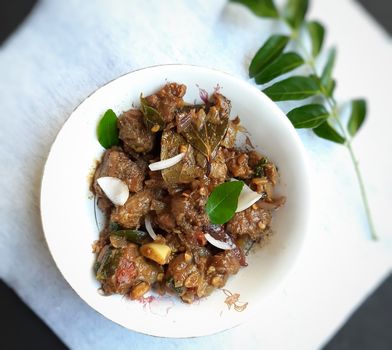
305	169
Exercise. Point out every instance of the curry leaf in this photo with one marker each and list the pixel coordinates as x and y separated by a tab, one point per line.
261	8
295	11
206	137
308	116
135	236
152	117
107	130
331	87
357	117
283	64
222	202
271	49
326	75
293	88
327	132
316	32
184	171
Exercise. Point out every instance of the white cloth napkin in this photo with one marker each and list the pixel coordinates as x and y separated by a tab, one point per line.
67	49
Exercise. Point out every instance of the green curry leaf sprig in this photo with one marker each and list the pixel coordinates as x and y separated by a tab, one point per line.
274	59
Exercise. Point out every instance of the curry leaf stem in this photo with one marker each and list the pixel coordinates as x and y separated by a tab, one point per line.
332	104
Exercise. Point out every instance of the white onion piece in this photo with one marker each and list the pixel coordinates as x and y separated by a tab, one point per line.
150	230
217	243
247	198
166	163
115	189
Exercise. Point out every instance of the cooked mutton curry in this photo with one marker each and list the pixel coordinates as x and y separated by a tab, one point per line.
170	158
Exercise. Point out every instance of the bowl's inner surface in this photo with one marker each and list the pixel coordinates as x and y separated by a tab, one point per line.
68	211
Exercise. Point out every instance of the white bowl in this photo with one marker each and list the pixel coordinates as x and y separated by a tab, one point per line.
67	208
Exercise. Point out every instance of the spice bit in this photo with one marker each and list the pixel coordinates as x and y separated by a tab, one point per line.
183	149
261	225
155	128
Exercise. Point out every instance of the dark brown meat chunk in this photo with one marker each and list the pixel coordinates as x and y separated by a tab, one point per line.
167	100
218	168
237	163
252	221
130	215
125	268
188	210
116	163
165	221
134	133
105	205
180	268
118	272
226	263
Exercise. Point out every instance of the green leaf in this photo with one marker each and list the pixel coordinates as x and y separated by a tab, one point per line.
135	236
261	8
357	117
295	11
271	49
293	88
331	87
327	132
283	64
308	116
316	32
222	202
107	130
326	75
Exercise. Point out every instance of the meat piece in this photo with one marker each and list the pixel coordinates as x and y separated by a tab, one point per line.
167	100
237	163
165	221
134	133
118	270
130	215
147	270
254	159
124	268
189	211
218	168
231	133
105	205
116	163
263	186
183	271
271	173
225	263
252	221
222	104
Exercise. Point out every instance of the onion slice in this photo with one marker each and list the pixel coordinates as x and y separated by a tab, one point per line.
166	163
150	230
247	198
219	244
115	189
